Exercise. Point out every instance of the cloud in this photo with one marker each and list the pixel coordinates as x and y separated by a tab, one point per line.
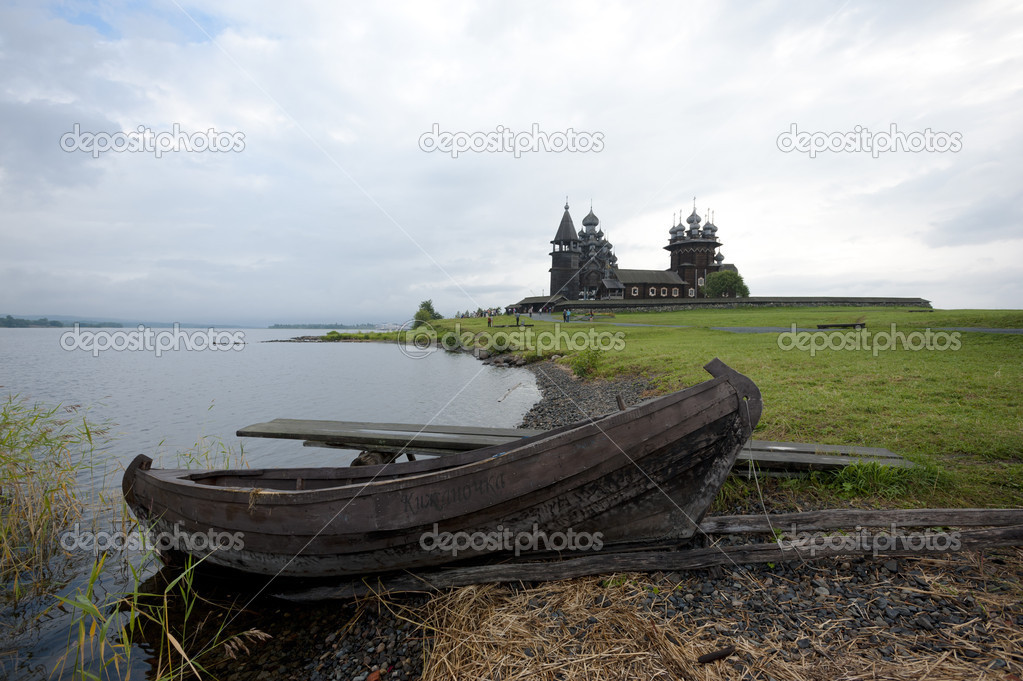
333	210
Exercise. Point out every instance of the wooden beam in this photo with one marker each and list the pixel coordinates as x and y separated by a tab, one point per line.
834	519
661	561
801	461
443	439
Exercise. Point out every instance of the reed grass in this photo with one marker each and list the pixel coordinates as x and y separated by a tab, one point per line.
43	450
185	635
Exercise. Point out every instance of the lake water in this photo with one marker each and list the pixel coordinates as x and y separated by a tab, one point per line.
162	405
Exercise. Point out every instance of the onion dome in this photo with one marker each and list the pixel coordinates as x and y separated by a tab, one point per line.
693	219
590	220
719	258
674	230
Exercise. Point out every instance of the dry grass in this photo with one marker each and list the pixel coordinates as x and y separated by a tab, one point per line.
599	629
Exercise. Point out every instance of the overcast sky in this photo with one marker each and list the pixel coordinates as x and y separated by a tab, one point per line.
327	208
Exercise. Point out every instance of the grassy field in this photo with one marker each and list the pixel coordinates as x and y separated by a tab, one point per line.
956	412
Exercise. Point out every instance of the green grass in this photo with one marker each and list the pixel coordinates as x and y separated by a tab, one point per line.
956	413
810	317
337	336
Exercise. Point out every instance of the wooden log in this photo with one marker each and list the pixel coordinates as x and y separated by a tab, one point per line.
834	519
662	561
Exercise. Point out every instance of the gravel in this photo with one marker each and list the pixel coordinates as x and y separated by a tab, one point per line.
567	399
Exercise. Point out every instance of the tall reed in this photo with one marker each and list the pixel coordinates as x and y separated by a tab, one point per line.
43	451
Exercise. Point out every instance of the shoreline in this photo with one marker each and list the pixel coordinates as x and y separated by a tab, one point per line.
566	398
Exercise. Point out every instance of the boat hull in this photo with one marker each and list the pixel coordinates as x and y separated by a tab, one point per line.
642	476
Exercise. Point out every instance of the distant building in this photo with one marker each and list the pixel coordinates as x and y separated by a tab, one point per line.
584	266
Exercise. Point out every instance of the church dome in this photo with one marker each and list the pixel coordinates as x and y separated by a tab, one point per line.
719	258
693	219
590	220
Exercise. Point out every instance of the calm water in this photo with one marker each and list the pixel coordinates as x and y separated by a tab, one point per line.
163	405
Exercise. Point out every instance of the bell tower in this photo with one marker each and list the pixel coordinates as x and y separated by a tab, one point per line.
565	259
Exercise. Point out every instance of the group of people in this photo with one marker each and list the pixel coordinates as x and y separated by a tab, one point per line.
480	312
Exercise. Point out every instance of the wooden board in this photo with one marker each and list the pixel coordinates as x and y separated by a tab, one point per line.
433	440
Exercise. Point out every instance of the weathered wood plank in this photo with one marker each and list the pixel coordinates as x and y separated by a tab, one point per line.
298	429
387	449
361	435
441	439
811	448
765	460
800	461
659	561
834	519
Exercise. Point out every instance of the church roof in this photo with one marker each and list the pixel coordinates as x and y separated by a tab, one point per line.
566	230
531	300
649	277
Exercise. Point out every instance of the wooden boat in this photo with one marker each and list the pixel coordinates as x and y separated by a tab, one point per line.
640	477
